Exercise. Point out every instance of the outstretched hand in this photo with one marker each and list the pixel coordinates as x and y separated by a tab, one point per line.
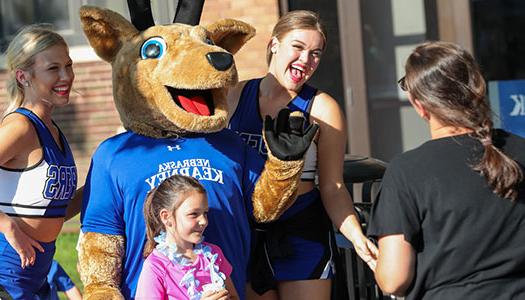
286	136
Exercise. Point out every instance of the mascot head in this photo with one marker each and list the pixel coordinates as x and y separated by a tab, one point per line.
168	80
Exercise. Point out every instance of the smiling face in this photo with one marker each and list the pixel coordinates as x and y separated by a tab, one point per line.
50	78
186	226
296	57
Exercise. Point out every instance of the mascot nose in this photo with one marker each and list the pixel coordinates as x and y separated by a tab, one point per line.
221	61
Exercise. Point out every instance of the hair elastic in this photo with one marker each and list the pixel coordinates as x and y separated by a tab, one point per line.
486	141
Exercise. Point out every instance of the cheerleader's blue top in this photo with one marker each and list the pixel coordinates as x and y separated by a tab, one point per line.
248	123
42	190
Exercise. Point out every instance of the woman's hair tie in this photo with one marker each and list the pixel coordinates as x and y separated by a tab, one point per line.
487	141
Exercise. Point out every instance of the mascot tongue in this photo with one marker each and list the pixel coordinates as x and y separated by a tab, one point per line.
195	104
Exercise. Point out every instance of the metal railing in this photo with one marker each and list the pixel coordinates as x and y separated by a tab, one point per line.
354	280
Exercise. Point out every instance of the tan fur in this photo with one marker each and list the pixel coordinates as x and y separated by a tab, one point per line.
100	263
276	189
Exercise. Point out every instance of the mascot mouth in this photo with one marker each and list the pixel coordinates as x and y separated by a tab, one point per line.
199	102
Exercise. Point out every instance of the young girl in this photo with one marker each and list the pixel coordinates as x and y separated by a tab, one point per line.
179	265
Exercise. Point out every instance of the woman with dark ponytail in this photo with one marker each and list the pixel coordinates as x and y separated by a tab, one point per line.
449	220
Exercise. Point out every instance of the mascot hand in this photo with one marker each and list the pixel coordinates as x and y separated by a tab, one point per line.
100	263
286	137
287	141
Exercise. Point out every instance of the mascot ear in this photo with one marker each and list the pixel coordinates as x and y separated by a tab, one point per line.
230	34
105	30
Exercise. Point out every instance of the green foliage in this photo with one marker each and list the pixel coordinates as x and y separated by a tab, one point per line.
66	255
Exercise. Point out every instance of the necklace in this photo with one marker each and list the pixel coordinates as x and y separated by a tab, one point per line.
188	279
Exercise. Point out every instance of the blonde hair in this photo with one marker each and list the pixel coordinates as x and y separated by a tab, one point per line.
295	19
448	82
168	195
20	55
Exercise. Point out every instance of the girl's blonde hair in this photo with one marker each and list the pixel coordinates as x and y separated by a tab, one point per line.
292	20
20	55
168	195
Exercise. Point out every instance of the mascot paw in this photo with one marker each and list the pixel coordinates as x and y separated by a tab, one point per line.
286	137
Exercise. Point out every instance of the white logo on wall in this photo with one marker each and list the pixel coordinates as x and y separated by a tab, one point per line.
519	105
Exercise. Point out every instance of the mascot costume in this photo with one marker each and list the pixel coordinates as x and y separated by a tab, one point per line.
169	87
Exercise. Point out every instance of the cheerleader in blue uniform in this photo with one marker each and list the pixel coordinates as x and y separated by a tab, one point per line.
297	250
38	176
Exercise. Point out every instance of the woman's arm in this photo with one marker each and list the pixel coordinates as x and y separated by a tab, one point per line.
20	241
395	264
336	199
17	136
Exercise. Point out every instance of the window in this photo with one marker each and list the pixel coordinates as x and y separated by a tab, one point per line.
499	38
63	15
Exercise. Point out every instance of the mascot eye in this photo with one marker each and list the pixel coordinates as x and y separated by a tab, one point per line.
153	48
209	41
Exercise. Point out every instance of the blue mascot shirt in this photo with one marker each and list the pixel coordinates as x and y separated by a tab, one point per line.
125	167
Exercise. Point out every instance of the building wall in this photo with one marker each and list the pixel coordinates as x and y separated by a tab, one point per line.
262	14
91	116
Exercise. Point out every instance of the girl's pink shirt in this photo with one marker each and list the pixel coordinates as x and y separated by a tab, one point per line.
160	278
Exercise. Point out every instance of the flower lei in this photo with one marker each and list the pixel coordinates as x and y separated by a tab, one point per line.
188	280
